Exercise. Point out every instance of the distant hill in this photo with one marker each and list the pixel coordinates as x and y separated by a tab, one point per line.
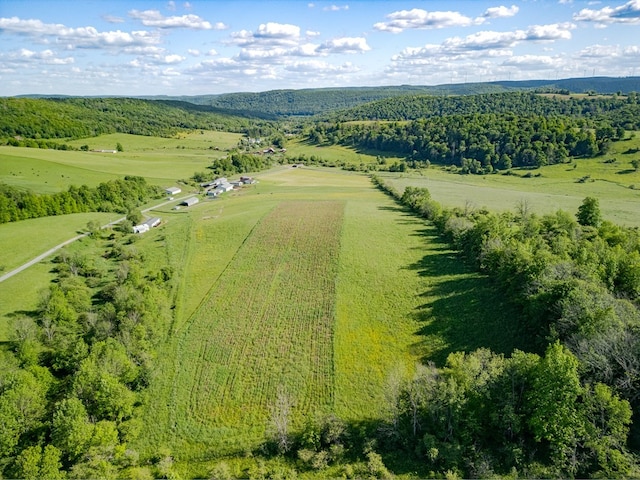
308	102
73	117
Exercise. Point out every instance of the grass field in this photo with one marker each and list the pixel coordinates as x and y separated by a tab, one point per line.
557	187
161	161
314	282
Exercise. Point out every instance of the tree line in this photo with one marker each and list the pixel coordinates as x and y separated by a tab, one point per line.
120	195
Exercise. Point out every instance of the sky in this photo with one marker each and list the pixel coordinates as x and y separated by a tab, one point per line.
195	47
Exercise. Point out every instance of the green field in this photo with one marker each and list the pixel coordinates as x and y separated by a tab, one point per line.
557	187
311	282
161	161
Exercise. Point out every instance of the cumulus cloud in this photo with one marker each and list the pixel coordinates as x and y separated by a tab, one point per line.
501	12
268	35
490	42
47	57
345	45
153	18
81	37
628	13
422	19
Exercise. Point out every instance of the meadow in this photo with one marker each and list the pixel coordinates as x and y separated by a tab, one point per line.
162	161
312	283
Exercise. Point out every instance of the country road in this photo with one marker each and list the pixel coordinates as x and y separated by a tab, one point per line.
51	251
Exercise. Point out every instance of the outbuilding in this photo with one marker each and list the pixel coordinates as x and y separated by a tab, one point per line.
173	190
190	201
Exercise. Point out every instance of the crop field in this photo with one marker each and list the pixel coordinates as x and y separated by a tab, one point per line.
265	325
311	283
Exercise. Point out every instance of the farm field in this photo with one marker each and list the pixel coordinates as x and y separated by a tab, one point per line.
557	187
336	153
312	283
161	161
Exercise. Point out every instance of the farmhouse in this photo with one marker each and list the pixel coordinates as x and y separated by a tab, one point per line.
173	190
189	201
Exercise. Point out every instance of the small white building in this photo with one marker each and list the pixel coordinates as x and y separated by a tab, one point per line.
173	190
147	225
142	228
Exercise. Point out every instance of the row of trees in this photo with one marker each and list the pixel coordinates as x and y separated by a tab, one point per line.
577	282
71	385
120	195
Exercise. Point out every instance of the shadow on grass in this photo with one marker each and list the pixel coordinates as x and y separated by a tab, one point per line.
625	172
463	310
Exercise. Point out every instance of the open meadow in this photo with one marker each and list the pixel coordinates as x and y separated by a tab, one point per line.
162	161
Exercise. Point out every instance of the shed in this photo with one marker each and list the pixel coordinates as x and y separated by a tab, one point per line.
173	190
153	222
190	201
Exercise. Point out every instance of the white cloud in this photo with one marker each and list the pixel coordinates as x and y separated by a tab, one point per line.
501	12
212	52
153	18
171	5
345	45
194	52
268	35
422	19
335	8
628	13
81	37
535	62
112	19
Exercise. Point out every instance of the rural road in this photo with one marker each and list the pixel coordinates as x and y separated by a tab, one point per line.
51	251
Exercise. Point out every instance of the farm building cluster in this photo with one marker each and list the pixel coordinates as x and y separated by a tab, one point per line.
221	185
147	225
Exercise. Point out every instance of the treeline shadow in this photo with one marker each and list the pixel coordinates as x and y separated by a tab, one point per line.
463	310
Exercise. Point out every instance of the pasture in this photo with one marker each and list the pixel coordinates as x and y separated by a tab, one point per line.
558	187
161	161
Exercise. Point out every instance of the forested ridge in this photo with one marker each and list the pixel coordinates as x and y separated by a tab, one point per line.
319	101
72	118
482	133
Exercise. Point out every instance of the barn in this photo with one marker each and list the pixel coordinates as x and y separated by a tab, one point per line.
172	190
190	201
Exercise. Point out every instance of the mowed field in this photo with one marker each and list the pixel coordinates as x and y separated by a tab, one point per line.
559	187
312	284
161	161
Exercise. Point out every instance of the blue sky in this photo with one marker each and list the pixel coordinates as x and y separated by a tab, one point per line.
195	47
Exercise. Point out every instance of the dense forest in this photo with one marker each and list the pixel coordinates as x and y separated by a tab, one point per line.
484	132
72	118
